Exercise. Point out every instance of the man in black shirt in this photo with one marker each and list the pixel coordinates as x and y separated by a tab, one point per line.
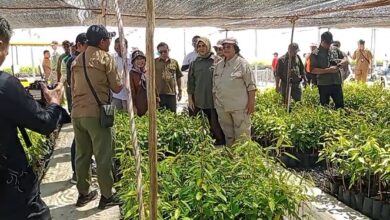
326	62
19	186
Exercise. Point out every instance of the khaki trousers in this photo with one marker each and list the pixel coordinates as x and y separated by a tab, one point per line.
235	125
92	139
361	74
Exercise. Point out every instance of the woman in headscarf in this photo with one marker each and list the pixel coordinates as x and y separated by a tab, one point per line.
200	85
138	82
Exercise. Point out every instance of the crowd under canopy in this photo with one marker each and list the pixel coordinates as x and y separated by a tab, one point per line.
224	14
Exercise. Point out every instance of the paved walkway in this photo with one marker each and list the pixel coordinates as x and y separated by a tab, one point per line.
60	195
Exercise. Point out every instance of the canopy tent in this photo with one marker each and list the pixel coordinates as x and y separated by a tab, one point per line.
225	14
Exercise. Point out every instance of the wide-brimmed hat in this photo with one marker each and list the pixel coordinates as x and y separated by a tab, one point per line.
230	40
137	53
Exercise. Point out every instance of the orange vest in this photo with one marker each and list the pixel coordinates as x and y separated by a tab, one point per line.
307	69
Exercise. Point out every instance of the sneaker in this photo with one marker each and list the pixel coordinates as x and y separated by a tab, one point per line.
85	199
112	201
74	179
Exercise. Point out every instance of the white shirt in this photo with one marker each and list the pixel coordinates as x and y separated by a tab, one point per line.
189	58
122	95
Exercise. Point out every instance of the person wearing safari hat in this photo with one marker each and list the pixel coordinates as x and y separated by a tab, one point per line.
92	138
326	62
218	49
138	83
234	89
297	73
200	86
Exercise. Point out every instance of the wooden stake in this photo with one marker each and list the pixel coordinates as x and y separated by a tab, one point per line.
150	19
134	140
288	88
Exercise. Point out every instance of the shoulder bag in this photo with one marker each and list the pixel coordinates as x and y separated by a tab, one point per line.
107	111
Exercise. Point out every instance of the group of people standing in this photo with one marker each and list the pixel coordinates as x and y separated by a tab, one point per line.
326	67
221	86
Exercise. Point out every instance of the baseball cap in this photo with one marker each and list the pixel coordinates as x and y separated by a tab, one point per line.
66	43
327	37
95	33
219	43
230	40
137	53
294	46
54	42
81	38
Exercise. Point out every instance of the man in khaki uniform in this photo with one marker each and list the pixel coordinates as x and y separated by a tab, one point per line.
234	92
363	59
168	77
91	137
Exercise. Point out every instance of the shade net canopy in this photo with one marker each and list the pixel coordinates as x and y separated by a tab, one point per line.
225	14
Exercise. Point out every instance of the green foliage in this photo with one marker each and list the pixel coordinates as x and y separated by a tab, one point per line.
205	183
355	141
261	64
175	132
7	70
39	149
28	69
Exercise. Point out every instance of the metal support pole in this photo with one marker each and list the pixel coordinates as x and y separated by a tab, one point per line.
12	58
288	91
184	42
32	55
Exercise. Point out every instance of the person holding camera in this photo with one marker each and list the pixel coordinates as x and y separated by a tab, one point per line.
94	74
326	62
19	185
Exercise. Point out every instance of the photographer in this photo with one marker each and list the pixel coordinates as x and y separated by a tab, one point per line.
326	62
19	186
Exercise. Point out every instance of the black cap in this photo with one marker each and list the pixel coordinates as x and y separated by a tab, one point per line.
293	46
327	37
81	38
137	53
96	33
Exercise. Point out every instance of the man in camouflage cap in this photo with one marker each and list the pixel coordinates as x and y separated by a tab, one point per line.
297	73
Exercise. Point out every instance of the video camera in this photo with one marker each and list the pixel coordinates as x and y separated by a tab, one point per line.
36	91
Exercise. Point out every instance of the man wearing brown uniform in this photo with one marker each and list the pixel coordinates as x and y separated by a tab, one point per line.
363	59
168	75
91	137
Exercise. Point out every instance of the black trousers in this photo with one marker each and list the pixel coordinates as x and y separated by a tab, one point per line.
296	91
20	198
331	91
168	102
311	79
215	127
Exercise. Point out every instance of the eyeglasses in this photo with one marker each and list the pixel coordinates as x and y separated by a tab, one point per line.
163	51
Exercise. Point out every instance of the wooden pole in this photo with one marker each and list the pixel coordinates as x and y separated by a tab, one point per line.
134	140
288	89
150	19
